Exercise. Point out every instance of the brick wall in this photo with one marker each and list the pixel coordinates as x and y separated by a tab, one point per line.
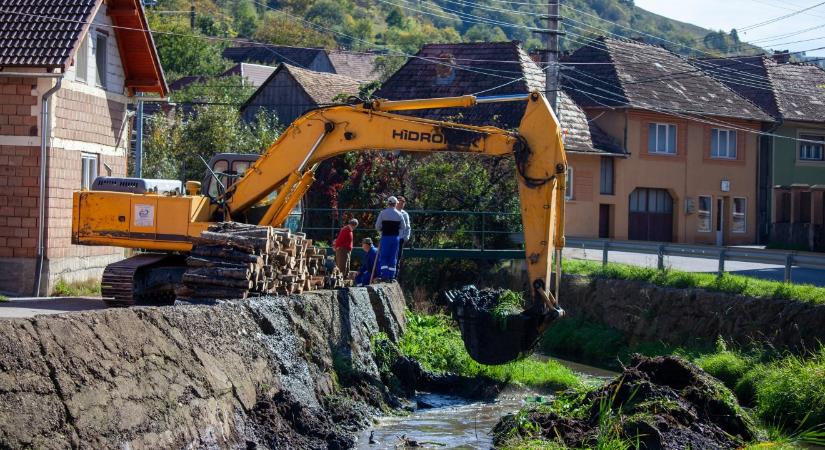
16	101
19	172
88	118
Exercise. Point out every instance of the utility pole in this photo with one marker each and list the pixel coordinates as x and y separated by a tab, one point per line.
192	16
551	74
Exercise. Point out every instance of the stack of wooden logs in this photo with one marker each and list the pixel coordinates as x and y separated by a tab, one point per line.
235	261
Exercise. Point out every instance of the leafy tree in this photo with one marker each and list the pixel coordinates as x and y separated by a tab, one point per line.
279	29
183	52
485	33
245	16
386	65
395	18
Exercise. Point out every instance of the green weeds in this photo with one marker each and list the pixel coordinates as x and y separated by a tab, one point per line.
509	303
437	345
76	288
727	283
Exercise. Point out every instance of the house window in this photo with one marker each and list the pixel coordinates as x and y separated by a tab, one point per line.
722	144
568	190
82	61
705	213
661	138
101	45
740	208
606	176
811	151
88	171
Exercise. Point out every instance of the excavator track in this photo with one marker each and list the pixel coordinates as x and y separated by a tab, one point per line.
127	283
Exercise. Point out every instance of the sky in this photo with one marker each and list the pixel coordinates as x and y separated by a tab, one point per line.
727	14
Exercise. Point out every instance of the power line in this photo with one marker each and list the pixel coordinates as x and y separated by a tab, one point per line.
780	18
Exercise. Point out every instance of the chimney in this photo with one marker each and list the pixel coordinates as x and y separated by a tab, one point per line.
782	57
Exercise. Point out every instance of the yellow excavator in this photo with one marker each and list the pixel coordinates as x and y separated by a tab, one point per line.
164	217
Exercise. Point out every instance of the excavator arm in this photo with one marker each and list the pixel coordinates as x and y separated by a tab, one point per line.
288	166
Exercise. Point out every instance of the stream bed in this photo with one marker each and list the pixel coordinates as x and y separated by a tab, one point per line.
447	422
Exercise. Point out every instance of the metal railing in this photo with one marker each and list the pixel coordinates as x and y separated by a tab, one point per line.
515	250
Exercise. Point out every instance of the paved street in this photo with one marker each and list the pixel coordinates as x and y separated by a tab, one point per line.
19	308
765	271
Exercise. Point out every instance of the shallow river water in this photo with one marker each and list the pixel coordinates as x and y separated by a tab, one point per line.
455	423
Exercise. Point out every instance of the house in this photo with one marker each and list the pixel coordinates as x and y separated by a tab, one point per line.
290	91
792	157
67	72
693	144
501	68
356	65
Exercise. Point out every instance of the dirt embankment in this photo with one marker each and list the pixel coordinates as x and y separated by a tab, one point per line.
266	373
646	312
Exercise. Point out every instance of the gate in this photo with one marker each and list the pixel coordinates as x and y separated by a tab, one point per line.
651	215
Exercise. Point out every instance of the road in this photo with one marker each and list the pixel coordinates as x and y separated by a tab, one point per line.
28	307
764	271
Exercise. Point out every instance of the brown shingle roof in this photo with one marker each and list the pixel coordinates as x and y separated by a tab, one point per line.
42	33
638	75
359	66
788	91
322	87
435	72
273	54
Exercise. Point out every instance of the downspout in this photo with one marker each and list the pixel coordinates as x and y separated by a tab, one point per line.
45	128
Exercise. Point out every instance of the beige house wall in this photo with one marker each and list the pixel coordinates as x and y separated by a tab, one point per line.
686	175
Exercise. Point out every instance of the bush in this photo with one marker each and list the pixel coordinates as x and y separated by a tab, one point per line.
727	366
792	390
437	345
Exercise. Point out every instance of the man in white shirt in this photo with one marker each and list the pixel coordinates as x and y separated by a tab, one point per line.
406	229
389	223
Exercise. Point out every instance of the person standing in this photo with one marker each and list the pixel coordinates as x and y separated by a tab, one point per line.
343	246
365	272
406	230
389	223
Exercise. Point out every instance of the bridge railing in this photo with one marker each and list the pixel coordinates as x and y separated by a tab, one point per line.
505	240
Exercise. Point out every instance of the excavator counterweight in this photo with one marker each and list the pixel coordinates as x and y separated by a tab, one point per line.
265	190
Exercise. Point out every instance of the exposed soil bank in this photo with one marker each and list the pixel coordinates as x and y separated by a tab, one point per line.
646	312
265	373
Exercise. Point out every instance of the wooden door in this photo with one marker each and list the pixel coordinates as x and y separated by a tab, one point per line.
604	221
651	215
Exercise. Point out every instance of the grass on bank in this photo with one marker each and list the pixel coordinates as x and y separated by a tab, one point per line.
727	283
87	288
436	343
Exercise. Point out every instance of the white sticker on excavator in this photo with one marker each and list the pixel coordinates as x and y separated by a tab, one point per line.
144	215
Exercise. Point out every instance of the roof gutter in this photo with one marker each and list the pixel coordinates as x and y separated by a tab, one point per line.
45	128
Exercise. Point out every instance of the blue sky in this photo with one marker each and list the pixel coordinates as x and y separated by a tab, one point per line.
727	14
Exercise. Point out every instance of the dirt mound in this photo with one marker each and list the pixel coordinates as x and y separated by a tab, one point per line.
656	403
494	330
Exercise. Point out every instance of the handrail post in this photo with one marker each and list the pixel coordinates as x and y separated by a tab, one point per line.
721	270
661	257
605	246
788	267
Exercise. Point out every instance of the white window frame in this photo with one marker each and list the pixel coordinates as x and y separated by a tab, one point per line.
89	169
743	215
666	126
568	189
700	212
808	147
82	61
102	73
729	153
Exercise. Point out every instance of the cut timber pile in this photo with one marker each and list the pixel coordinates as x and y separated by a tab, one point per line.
235	261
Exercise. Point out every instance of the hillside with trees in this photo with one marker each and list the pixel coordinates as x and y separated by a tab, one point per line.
404	26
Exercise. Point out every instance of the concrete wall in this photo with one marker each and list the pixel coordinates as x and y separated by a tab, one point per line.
264	373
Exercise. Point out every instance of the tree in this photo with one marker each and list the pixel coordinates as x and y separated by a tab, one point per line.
245	16
484	33
395	18
279	29
184	53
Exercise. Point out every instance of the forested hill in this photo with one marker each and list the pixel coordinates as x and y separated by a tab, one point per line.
407	24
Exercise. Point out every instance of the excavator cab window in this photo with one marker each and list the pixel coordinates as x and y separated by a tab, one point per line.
219	167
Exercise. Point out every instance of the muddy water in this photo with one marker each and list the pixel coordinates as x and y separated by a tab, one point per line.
455	423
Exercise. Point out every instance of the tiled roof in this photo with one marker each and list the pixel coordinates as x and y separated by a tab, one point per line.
256	74
644	76
273	54
322	87
27	38
434	73
359	66
788	91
